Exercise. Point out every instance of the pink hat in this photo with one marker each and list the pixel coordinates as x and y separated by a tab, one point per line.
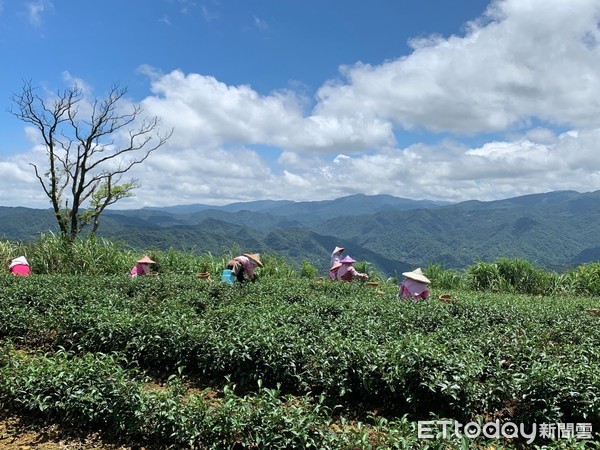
347	260
336	265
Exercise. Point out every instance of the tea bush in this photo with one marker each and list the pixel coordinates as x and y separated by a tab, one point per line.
298	362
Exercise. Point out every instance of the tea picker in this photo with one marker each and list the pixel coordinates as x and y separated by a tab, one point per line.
242	265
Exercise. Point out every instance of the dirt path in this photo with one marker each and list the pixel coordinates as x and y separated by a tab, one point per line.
16	434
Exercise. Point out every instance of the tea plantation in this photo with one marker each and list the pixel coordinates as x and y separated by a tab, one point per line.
291	361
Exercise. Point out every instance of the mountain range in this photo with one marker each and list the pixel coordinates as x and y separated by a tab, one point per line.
555	230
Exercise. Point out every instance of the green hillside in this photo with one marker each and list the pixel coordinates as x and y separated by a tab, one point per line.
556	230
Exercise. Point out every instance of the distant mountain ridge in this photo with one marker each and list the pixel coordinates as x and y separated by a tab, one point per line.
364	203
257	205
555	230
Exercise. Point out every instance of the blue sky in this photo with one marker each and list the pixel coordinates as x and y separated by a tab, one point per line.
312	100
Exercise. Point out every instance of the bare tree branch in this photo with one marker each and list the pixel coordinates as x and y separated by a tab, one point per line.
87	157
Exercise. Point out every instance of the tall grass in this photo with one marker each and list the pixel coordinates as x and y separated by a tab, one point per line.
50	254
517	276
522	277
276	265
11	250
177	261
584	280
444	278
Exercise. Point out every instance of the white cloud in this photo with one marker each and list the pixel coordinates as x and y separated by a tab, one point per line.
446	171
36	10
540	135
81	84
529	58
527	73
205	109
19	185
176	176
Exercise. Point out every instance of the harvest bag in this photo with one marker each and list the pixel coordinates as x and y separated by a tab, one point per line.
227	276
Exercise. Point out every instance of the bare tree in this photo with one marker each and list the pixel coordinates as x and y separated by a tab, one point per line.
85	161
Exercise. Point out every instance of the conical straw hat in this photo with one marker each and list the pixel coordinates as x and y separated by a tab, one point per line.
145	260
254	257
417	275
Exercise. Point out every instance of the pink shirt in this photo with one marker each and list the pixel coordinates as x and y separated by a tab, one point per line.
140	269
414	289
248	264
347	273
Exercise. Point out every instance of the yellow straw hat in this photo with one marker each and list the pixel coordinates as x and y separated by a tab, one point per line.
254	257
145	260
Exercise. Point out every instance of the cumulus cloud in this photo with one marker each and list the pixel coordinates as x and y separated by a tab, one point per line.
205	109
81	84
524	59
511	108
214	174
495	170
19	185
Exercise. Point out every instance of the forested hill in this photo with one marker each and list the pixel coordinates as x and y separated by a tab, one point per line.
554	230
